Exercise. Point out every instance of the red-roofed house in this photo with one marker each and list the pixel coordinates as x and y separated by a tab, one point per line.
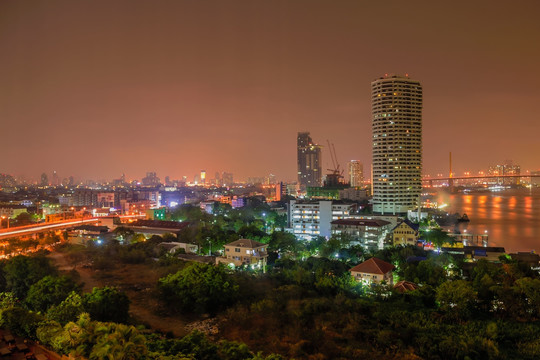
373	270
404	286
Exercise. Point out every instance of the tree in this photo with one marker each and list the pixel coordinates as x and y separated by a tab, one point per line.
233	350
22	219
7	299
426	272
456	297
437	237
283	242
107	304
51	290
528	291
118	342
21	272
21	321
68	310
199	287
123	233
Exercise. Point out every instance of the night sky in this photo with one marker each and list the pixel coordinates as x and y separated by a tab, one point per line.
97	88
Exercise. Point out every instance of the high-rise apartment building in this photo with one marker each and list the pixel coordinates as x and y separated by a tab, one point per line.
508	168
309	161
227	179
356	173
396	107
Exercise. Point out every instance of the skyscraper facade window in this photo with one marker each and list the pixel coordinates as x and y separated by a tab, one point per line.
356	173
396	108
309	161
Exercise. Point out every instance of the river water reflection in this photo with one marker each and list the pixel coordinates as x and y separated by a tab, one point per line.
511	217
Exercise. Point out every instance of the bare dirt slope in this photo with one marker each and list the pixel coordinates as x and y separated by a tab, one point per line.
138	281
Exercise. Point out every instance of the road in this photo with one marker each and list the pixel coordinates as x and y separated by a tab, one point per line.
43	227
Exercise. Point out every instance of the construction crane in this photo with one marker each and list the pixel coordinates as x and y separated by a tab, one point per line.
333	178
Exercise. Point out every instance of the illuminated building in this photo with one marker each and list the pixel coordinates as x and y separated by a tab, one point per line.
309	161
244	252
151	179
507	169
356	173
309	219
370	233
227	179
397	144
372	271
203	177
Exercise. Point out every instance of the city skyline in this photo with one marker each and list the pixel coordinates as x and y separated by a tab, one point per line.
163	92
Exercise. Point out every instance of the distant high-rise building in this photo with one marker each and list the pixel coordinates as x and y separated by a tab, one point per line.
44	180
356	173
508	168
309	160
396	107
227	179
203	176
151	179
55	179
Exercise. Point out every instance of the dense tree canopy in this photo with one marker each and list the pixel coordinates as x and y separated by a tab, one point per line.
199	287
107	304
21	272
49	291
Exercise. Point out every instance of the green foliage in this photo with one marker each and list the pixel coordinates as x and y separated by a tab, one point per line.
68	310
194	345
437	236
107	304
283	242
21	272
425	272
20	321
528	292
457	298
49	291
119	342
233	350
7	299
199	287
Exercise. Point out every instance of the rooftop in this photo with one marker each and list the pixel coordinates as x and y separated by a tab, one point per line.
174	225
373	266
247	243
360	222
404	286
412	225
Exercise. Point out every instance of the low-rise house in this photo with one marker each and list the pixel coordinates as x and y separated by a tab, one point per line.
245	252
372	271
405	233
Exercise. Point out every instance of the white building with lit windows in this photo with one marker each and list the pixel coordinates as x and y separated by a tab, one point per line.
309	219
396	105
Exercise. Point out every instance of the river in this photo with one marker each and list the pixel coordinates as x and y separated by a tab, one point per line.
510	217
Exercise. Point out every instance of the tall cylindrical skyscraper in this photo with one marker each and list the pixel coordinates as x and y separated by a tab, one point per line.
396	111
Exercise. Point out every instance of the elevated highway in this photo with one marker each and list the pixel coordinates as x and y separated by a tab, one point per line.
30	230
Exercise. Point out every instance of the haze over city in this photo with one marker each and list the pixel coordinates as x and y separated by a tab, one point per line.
96	89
